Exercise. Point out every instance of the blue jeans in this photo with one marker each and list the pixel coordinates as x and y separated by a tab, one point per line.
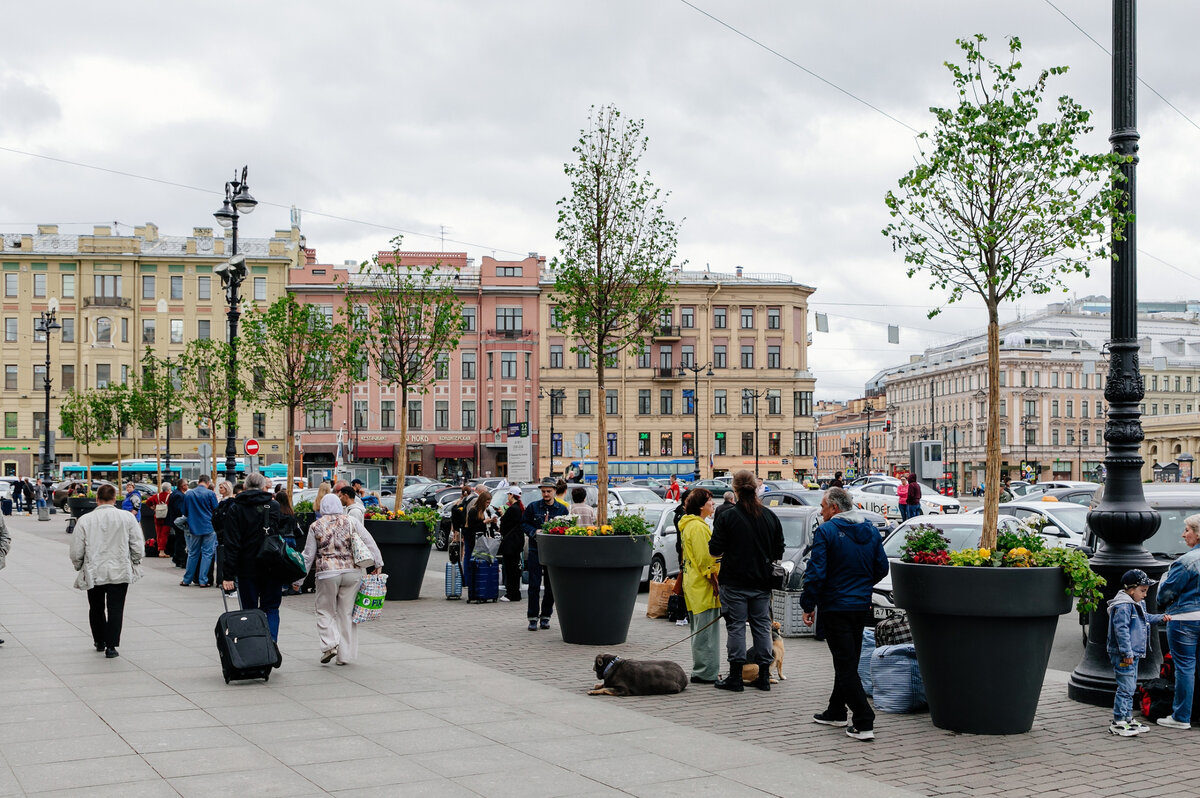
1126	676
263	595
1183	638
200	549
739	605
536	574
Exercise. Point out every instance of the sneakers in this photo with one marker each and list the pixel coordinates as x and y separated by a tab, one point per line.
545	623
328	655
1138	726
1170	722
825	720
681	622
533	624
504	598
1122	729
865	735
110	652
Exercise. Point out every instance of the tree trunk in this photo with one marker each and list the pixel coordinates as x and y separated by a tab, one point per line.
602	433
991	495
212	430
87	449
158	453
290	457
118	456
402	471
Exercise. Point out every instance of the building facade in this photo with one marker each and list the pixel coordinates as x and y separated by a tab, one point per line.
852	440
118	297
750	402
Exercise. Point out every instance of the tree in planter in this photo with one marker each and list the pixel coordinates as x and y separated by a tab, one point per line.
404	319
298	357
154	401
1003	204
612	277
205	386
81	418
115	407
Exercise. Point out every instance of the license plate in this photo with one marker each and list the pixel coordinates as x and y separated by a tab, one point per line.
950	509
884	612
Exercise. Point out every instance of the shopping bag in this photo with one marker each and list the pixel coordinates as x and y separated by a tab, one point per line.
368	604
660	596
486	548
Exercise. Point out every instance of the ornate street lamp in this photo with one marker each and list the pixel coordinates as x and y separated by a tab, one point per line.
696	407
46	323
556	394
754	394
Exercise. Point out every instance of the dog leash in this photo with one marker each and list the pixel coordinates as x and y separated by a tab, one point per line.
689	637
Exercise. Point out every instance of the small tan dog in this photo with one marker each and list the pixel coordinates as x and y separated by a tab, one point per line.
750	671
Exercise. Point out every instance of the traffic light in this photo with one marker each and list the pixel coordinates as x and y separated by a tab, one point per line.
887	425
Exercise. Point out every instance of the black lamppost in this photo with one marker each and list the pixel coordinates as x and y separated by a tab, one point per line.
696	406
868	409
46	324
238	202
753	394
1123	520
555	395
955	459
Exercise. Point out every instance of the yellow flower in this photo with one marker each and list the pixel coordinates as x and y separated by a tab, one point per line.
985	553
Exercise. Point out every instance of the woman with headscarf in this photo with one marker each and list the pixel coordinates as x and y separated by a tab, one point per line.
338	578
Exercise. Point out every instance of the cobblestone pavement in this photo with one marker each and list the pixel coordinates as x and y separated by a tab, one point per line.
1068	752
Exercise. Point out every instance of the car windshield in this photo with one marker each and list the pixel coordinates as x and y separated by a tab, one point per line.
638	496
796	531
1072	516
1168	540
653	515
961	536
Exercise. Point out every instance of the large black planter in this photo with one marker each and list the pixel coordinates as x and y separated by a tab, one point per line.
983	638
595	582
81	505
405	549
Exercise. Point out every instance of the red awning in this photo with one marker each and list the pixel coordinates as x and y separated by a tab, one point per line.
384	450
454	450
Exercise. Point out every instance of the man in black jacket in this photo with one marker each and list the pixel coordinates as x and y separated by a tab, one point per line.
536	514
174	511
747	539
243	526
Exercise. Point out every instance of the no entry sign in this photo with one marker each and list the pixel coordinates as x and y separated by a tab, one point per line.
251	446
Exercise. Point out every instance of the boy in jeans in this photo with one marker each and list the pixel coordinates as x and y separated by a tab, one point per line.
1128	638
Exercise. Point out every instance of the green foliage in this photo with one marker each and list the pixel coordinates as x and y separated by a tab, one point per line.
304	506
924	544
1082	582
624	523
206	385
153	399
81	418
1028	540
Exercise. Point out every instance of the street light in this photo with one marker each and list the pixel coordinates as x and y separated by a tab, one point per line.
753	394
46	323
868	409
238	202
554	395
696	406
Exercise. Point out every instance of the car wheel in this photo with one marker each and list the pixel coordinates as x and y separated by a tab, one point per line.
658	569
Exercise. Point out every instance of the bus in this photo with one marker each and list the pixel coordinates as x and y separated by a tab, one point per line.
145	469
626	470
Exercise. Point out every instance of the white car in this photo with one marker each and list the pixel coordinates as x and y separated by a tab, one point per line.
1066	522
664	563
620	497
880	497
870	479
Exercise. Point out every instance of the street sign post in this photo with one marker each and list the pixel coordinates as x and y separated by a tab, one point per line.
251	446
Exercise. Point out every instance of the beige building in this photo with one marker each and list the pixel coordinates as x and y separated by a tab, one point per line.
118	296
851	439
752	329
1171	447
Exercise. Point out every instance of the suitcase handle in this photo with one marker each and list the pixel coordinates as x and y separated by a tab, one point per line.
234	593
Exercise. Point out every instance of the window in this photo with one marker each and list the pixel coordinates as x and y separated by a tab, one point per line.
176	331
1031	435
558	399
361	414
10	425
39	424
1003	408
748	356
773	319
1031	407
204	288
719	318
1054	437
508	271
469	319
124	331
688	446
1099	409
687	318
643	402
441	367
556	356
802	403
468	365
39	285
664	357
1054	379
468	415
719	357
666	400
643	361
414	414
665	317
176	286
719	444
1054	409
508	365
508	412
528	358
773	439
148	290
612	406
556	447
508	319
583	359
772	357
556	317
259	380
643	444
10	330
585	403
612	444
719	403
147	331
387	414
802	441
1070	437
441	414
68	377
260	425
664	445
748	402
747	318
747	443
319	415
203	328
12	284
774	402
1083	409
260	289
68	286
1083	437
10	377
687	356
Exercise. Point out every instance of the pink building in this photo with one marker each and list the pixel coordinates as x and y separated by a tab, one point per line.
459	426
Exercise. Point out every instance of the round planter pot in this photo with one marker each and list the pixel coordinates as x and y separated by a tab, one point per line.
405	549
983	638
595	582
81	505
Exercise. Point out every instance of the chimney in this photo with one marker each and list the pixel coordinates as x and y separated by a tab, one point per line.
47	229
202	232
101	230
739	271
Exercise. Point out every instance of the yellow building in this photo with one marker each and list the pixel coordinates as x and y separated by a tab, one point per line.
752	329
118	296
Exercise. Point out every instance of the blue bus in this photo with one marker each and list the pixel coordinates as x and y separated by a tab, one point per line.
626	470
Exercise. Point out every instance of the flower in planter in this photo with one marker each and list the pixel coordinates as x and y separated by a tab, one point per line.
623	524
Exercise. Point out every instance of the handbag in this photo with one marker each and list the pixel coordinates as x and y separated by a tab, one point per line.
779	577
276	559
676	608
360	552
160	511
368	604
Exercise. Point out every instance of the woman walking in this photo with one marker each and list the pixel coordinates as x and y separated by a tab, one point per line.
329	546
1179	595
106	550
699	577
512	545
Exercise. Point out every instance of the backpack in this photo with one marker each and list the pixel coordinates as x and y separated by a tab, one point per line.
160	510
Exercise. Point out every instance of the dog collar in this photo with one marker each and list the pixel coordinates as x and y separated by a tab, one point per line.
609	667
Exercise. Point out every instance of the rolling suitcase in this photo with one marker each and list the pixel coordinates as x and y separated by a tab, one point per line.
245	645
485	581
453	581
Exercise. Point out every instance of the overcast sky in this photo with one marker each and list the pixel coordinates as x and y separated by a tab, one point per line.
410	116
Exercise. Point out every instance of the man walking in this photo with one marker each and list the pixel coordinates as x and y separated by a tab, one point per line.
847	560
106	549
246	523
536	514
198	506
175	510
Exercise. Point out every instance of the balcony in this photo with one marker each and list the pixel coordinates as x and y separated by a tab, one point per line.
666	332
106	302
665	373
508	335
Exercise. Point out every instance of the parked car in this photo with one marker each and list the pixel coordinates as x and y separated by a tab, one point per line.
773	485
650	483
812	498
1082	496
880	497
716	486
869	479
799	524
664	563
622	495
1174	502
65	489
1066	522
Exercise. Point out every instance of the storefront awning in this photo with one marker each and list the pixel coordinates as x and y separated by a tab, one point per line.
454	450
382	450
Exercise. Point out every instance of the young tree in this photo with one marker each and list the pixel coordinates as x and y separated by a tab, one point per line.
81	417
1003	204
154	401
114	407
205	386
612	278
404	318
297	357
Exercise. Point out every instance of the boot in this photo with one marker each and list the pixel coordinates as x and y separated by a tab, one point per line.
763	682
732	682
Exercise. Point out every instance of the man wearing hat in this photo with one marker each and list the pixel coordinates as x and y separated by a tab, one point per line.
535	515
512	544
364	498
1128	640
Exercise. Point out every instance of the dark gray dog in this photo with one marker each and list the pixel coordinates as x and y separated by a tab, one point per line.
631	677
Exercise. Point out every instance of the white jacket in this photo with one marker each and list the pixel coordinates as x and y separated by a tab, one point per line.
106	548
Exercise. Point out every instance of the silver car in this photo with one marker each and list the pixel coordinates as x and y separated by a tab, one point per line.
664	563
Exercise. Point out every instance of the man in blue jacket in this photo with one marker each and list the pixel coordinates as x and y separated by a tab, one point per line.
198	506
847	560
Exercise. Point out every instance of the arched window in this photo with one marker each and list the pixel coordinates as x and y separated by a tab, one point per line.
104	330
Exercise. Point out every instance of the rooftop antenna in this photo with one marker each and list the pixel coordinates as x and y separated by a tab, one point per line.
443	238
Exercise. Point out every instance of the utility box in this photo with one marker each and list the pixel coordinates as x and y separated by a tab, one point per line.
927	462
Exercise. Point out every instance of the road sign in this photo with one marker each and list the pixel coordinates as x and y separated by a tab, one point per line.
251	446
205	451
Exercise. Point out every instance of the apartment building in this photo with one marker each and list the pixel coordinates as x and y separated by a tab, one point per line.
852	439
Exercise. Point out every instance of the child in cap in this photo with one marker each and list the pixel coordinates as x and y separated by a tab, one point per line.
1128	638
